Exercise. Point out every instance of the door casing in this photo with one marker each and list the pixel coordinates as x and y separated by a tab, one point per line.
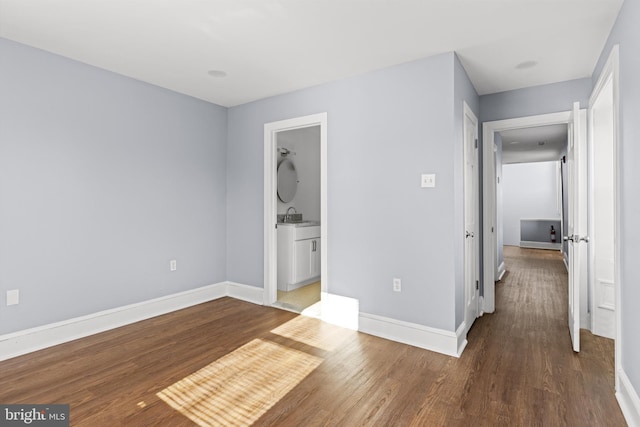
489	197
610	72
270	203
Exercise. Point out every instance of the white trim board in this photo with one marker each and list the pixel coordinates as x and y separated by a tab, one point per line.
501	271
337	310
628	400
540	245
438	340
29	340
246	293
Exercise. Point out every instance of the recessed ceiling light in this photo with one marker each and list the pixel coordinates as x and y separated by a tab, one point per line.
217	73
526	64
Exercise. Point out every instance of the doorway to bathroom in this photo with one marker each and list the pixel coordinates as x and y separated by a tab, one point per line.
295	214
298	217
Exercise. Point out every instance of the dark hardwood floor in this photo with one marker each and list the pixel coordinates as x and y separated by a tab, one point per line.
229	362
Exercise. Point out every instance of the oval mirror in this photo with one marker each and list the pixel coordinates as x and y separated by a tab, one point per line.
287	181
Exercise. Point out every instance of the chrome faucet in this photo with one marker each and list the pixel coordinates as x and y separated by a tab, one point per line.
287	215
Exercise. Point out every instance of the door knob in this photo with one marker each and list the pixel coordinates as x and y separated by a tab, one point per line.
567	238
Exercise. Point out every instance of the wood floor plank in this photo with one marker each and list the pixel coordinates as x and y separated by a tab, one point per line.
517	369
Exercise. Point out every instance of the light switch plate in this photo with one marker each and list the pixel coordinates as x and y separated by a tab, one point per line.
428	180
13	297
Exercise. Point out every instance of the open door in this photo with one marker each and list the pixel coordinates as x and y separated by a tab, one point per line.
576	218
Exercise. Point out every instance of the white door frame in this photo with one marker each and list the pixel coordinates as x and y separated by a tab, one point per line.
489	207
471	195
610	71
270	202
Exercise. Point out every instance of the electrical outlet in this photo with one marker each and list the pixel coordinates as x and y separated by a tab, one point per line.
173	265
428	181
397	285
13	297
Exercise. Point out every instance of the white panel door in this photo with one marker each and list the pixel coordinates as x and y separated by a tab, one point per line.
576	219
471	210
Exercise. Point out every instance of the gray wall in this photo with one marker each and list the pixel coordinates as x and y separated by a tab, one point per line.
530	190
304	145
551	98
103	180
385	128
626	33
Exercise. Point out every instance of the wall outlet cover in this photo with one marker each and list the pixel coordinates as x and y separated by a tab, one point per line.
428	180
397	285
13	297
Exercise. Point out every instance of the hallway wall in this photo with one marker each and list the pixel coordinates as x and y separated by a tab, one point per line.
626	33
530	190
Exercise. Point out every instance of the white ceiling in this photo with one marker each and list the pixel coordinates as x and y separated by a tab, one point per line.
268	47
523	145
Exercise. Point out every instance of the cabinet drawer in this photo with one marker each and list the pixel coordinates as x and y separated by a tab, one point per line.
302	233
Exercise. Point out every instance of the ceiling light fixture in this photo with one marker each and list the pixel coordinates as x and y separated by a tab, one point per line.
526	64
217	73
541	143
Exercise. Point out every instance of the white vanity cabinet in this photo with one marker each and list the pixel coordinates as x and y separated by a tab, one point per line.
298	256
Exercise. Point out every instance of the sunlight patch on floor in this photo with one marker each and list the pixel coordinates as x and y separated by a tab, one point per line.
313	332
240	387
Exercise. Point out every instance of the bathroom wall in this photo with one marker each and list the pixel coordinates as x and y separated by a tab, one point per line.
304	145
529	190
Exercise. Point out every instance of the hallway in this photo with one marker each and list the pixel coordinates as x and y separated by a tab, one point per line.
525	369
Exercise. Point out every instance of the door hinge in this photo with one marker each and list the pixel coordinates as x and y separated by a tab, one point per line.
492	229
276	226
476	143
477	285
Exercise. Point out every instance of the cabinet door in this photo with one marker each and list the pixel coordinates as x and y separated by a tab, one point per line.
302	268
315	258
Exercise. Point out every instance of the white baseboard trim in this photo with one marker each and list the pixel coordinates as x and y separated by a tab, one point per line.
628	400
540	245
246	293
438	340
29	340
461	336
501	271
